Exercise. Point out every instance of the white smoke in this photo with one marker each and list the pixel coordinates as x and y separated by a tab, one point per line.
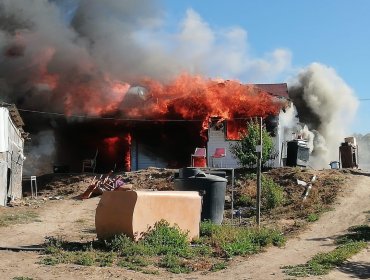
40	154
327	105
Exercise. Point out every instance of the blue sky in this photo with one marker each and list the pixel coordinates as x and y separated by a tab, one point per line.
334	33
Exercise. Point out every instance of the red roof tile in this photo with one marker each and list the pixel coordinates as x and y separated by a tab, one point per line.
280	90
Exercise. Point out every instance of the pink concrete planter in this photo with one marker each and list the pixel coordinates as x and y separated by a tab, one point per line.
133	212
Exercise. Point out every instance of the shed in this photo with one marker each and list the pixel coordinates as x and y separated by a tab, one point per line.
12	138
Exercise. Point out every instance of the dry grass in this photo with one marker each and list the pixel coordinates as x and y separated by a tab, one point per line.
20	217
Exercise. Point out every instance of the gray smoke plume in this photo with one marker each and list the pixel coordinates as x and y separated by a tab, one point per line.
67	54
40	154
327	105
79	56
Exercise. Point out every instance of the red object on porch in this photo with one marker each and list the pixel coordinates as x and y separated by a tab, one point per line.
199	162
199	158
219	153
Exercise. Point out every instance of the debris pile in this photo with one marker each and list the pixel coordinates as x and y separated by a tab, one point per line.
106	182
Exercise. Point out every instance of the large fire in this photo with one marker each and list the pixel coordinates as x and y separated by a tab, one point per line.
184	103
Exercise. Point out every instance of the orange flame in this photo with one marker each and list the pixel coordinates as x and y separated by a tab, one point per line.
128	139
111	144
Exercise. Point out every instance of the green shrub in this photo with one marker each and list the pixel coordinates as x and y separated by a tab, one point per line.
125	246
244	200
106	259
234	241
245	149
207	228
164	239
84	258
272	194
241	246
50	260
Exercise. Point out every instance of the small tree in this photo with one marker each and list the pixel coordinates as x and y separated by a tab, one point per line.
245	149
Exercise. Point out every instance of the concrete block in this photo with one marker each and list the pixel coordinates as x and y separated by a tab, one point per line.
133	212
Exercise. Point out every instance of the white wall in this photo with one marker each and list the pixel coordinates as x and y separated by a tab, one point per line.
11	157
217	139
4	124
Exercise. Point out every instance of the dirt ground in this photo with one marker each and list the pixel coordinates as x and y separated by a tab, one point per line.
75	219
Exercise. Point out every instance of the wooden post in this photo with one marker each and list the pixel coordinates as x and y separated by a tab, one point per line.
259	166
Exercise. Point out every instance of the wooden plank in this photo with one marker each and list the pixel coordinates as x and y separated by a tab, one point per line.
16	117
18	249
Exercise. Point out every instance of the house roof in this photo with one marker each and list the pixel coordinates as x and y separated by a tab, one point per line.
14	114
279	90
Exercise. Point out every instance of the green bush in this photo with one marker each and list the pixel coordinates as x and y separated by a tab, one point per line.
272	194
164	239
245	149
234	241
84	258
244	200
207	228
125	246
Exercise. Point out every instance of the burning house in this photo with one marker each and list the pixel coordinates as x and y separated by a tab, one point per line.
160	125
11	153
105	78
216	130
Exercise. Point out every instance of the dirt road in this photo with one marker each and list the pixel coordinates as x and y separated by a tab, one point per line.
76	218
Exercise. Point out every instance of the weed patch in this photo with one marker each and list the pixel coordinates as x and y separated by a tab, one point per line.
166	247
313	217
350	244
174	264
235	241
219	266
7	219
